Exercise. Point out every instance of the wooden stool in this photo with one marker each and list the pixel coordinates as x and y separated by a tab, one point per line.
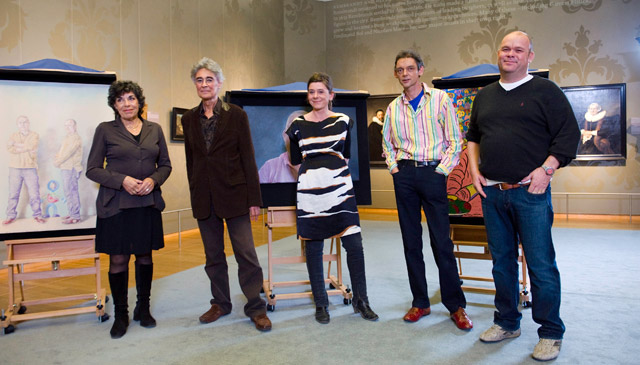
465	236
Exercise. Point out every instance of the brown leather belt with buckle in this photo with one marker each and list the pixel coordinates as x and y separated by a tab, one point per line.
506	186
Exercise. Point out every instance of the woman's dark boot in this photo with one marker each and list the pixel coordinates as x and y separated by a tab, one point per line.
355	263
119	289
142	313
322	315
362	307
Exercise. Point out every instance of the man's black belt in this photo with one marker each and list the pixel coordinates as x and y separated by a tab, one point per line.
415	163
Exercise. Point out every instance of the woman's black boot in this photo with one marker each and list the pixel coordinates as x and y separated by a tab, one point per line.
322	315
142	313
119	289
362	307
355	262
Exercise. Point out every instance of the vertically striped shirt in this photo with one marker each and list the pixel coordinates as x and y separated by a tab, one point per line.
431	132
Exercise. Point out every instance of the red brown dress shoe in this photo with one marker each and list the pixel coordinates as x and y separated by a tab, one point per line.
415	313
461	319
212	314
262	322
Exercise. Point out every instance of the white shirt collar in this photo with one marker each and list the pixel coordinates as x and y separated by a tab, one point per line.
508	86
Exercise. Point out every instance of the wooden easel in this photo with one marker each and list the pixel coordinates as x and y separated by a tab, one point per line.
286	217
54	251
476	236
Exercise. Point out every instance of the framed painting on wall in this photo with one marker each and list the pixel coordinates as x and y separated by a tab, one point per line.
177	134
601	114
376	109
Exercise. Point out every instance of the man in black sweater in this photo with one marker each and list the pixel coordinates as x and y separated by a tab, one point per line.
522	129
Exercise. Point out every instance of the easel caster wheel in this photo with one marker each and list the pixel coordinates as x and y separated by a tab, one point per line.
346	301
272	296
22	310
103	318
9	329
348	290
526	304
271	307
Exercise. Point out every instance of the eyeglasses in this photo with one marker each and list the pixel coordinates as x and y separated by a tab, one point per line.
202	81
410	70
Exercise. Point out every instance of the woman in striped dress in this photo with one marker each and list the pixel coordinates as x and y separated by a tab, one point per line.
320	142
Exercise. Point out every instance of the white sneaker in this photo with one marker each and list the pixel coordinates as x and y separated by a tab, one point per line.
547	349
496	333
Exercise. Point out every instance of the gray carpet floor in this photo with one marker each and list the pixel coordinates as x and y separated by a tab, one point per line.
600	297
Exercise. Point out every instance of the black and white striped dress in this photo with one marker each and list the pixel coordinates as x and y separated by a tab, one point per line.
326	203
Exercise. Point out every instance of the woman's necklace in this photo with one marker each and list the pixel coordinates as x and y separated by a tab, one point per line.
133	127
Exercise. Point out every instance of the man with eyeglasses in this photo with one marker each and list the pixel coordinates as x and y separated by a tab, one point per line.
422	143
224	185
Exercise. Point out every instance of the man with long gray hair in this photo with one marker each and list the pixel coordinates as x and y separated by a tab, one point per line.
224	185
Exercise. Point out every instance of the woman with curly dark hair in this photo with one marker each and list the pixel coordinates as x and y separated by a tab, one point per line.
129	199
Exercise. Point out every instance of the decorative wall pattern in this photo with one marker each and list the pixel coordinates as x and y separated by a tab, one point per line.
493	28
588	6
12	24
537	6
93	28
583	60
299	14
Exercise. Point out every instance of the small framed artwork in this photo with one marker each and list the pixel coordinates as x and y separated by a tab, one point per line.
177	134
376	109
601	114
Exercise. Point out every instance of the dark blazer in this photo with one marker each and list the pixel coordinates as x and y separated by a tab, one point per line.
126	157
226	176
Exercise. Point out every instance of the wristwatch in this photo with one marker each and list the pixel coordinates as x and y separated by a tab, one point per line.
548	170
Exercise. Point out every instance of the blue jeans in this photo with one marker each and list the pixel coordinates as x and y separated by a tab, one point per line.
72	197
30	178
423	187
513	215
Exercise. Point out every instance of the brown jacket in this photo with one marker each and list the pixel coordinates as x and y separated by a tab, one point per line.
226	176
126	157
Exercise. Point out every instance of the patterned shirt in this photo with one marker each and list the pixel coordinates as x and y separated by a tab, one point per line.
209	124
431	132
